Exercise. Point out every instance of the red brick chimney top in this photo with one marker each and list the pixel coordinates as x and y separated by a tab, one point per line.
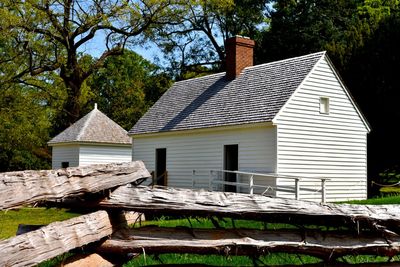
239	55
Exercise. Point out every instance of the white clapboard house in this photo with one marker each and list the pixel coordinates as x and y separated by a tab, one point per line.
94	139
290	118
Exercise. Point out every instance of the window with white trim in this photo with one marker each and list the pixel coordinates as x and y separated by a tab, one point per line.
324	105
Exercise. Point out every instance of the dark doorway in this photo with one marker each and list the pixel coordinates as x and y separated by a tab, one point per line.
64	164
161	166
231	163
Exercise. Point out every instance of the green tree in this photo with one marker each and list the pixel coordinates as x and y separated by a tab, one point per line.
47	35
195	38
306	26
372	74
126	86
24	130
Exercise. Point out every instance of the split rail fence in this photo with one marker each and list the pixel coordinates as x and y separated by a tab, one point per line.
326	231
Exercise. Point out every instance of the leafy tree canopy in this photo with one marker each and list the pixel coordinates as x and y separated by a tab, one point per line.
24	130
47	35
127	86
195	37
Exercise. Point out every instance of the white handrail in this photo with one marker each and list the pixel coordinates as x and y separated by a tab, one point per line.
273	175
296	189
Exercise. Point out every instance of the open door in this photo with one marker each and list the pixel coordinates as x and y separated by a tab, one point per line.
231	163
161	166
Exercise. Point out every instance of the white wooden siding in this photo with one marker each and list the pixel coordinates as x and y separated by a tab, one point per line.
202	151
67	153
323	145
101	154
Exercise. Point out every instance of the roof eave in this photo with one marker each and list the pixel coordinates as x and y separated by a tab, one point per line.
66	143
205	129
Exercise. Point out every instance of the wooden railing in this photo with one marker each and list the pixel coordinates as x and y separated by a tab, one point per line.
216	177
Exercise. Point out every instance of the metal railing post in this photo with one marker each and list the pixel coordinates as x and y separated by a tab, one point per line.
297	188
193	178
210	181
323	190
251	184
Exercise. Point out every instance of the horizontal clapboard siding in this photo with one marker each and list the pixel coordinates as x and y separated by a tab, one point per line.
203	151
102	154
69	153
331	145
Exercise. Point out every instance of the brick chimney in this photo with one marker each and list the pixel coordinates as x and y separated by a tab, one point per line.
239	55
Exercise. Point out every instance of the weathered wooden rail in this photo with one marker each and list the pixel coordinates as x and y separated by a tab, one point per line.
25	187
322	244
357	229
181	201
55	239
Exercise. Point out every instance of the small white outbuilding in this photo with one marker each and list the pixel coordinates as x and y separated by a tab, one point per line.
289	118
94	139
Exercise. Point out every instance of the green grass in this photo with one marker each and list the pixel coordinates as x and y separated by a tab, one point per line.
206	223
378	201
9	220
269	259
390	190
217	260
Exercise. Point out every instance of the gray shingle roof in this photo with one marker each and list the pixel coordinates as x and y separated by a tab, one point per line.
256	95
95	127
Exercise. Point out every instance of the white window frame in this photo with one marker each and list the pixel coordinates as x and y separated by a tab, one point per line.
324	107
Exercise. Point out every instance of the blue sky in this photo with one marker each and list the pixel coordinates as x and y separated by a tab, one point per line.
96	47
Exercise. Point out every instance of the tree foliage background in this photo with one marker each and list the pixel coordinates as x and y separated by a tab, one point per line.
48	81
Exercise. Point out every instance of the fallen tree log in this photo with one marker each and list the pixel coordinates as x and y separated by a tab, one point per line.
324	245
54	239
174	201
25	187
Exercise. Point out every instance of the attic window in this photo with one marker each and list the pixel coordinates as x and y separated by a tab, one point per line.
324	105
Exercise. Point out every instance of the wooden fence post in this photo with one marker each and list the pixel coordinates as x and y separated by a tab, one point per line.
323	190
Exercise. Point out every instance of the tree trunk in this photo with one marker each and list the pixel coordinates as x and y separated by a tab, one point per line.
71	74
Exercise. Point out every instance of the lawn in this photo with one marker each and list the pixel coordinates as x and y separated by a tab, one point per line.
10	219
395	199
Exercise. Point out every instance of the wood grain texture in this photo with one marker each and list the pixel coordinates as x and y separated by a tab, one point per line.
173	201
24	187
55	239
324	245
